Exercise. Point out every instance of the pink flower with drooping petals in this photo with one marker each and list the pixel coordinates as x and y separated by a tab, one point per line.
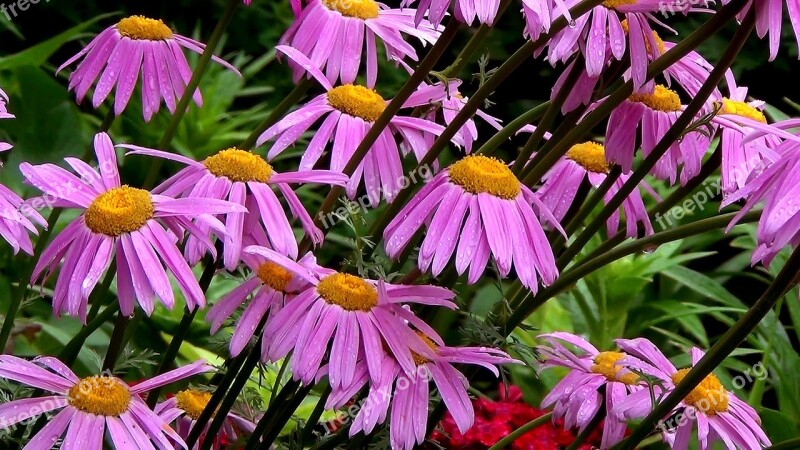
359	318
333	34
588	161
136	45
347	113
651	114
466	11
186	407
89	406
132	225
719	414
244	178
272	287
769	20
16	218
477	208
577	398
408	393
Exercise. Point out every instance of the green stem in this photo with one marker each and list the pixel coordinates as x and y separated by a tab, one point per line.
70	352
673	134
721	350
585	268
410	86
313	419
117	343
191	87
516	434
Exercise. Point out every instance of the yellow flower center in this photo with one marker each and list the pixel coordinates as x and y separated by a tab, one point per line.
662	99
274	276
141	28
119	210
605	364
480	174
349	292
660	42
709	397
360	9
589	155
239	165
192	402
611	4
420	360
357	101
100	395
743	109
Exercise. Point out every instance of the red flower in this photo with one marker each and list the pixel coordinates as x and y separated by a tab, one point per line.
495	420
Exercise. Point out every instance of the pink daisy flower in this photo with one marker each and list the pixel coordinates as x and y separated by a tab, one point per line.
577	398
408	393
603	28
719	414
777	188
89	406
477	208
16	217
466	11
652	114
187	406
359	318
588	161
244	178
742	156
347	113
115	58
333	34
270	285
120	222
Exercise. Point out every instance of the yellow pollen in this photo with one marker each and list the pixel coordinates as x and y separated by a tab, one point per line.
605	364
589	155
743	109
418	359
611	4
119	210
360	9
662	99
192	402
357	101
141	28
274	276
100	395
709	397
239	165
480	174
349	292
660	42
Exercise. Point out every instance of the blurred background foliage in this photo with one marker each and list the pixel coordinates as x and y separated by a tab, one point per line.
680	295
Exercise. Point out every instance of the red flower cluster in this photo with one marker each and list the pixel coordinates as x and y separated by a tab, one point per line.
495	420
